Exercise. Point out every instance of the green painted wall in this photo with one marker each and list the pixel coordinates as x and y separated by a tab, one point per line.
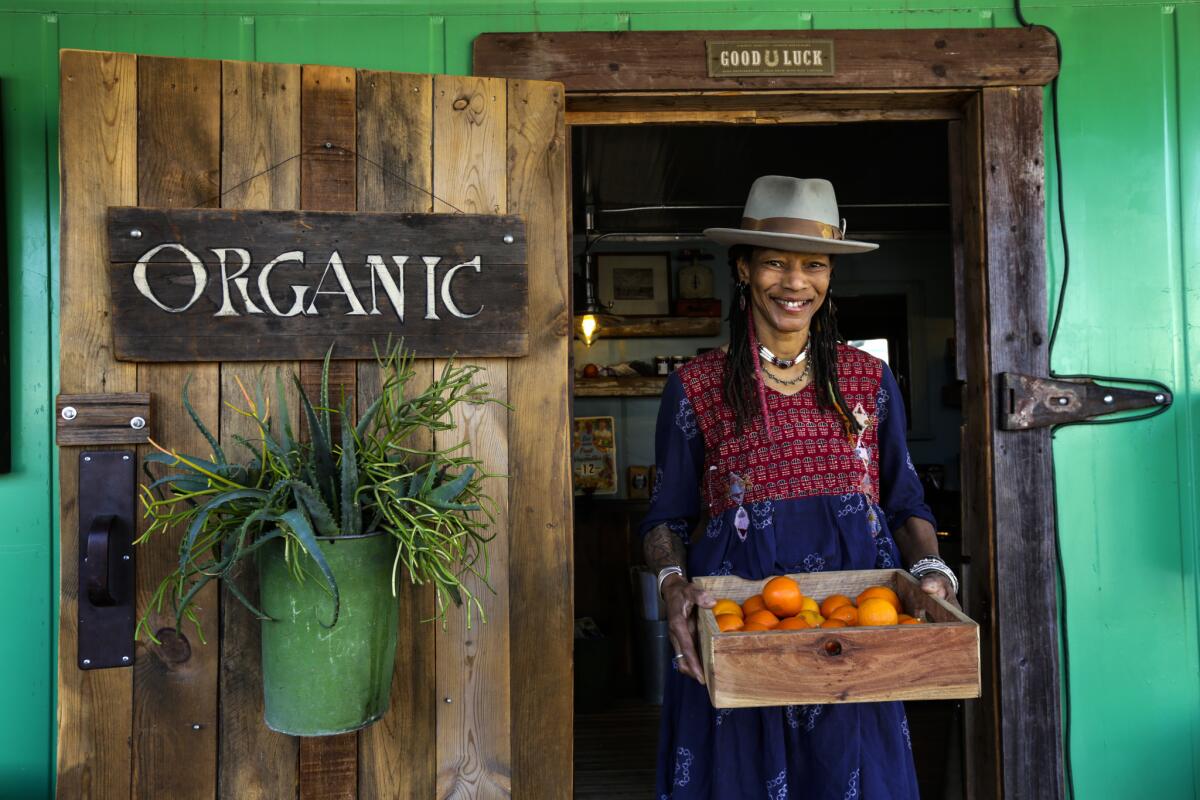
1128	502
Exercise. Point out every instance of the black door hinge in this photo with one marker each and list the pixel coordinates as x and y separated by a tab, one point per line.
1027	401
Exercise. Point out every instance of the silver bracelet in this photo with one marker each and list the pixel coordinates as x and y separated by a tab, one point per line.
924	566
664	572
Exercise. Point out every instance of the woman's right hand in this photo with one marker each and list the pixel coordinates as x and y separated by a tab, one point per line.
682	598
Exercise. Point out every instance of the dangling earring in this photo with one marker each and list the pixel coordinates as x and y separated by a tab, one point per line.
741	288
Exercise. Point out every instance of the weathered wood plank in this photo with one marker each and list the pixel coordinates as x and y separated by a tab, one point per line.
398	755
980	720
175	684
267	234
98	153
101	418
327	137
1025	601
763	107
474	721
540	548
329	764
260	129
593	61
329	767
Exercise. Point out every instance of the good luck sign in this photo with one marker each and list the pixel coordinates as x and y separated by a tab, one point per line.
229	285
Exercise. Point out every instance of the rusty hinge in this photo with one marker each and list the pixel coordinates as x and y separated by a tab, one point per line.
1027	401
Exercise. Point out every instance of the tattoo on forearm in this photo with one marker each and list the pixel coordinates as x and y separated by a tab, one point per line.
663	548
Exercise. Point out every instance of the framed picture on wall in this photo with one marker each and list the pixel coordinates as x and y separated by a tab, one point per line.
635	283
594	455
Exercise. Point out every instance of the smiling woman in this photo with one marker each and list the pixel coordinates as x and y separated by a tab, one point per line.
801	465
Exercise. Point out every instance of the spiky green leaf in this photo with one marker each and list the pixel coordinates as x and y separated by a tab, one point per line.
212	441
298	523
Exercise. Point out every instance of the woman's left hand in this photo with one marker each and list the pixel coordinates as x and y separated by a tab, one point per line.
939	586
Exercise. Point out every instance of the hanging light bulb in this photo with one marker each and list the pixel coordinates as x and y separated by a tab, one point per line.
591	317
589	326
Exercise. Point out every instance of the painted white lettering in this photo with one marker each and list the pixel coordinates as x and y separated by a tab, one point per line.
393	289
264	287
346	288
447	300
198	275
222	254
816	58
755	58
430	286
724	58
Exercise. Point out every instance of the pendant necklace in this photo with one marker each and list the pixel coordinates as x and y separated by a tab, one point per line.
783	363
788	381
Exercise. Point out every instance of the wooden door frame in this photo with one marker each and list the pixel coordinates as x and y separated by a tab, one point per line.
988	84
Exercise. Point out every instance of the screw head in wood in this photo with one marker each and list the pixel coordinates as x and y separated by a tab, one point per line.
1108	398
87	458
508	238
125	557
196	726
447	700
124	659
1159	398
137	423
136	233
1062	401
87	662
69	413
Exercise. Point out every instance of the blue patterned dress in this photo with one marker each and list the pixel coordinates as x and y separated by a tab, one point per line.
810	500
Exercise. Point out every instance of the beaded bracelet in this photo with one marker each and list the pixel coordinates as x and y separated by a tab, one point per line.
924	566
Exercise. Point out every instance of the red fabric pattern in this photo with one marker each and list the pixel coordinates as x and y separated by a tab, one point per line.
811	455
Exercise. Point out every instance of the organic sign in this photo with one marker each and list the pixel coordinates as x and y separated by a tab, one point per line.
740	59
229	285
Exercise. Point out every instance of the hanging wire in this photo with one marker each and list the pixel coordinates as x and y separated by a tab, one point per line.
328	148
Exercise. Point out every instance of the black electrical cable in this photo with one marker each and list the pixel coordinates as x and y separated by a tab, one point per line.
1059	564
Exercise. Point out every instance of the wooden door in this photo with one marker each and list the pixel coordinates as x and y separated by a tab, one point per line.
479	713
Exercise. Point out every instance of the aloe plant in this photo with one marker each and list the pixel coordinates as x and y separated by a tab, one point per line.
373	478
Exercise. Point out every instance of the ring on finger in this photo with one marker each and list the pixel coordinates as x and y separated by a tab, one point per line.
677	656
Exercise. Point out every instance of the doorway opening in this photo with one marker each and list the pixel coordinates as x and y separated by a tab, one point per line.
641	195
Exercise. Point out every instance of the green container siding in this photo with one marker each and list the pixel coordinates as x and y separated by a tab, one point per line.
1128	495
321	678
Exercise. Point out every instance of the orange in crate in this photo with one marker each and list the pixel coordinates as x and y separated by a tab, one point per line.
834	602
782	596
757	666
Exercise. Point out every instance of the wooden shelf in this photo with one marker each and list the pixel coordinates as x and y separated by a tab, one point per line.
642	327
636	386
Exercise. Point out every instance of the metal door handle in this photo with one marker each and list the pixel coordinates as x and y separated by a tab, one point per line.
96	561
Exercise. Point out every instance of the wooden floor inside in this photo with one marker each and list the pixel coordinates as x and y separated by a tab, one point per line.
615	750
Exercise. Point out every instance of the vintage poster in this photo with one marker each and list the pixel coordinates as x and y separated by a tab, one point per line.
594	455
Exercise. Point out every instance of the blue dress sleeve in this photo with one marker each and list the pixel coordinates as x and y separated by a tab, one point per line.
900	488
678	461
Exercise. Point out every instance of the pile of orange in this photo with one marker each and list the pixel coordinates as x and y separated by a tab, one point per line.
782	606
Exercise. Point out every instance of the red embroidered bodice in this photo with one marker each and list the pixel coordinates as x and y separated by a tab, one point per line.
811	456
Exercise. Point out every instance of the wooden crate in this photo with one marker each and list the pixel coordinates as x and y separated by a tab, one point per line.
936	660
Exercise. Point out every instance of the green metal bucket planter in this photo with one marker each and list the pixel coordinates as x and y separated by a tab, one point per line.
319	681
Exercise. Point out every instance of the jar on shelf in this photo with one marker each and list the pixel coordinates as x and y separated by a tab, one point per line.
662	365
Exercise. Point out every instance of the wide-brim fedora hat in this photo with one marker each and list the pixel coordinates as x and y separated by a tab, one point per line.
797	214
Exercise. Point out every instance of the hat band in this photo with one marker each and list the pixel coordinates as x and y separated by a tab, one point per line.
792	225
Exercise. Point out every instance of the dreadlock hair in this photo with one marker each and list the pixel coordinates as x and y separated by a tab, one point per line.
739	384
